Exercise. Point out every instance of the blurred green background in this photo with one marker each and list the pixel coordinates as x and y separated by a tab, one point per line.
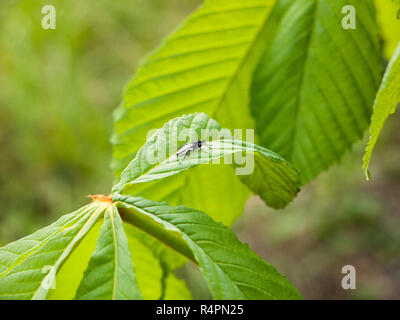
58	89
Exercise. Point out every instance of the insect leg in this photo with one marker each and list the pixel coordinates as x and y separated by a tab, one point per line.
186	154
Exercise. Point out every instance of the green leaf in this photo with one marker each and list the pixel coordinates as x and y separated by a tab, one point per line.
387	100
388	17
198	68
268	175
147	251
157	282
314	87
231	269
206	65
110	274
176	289
30	265
203	189
71	272
149	279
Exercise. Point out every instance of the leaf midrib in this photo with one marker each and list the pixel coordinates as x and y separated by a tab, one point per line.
252	42
111	213
34	249
66	252
301	87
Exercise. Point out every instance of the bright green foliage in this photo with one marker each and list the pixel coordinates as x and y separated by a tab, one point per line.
206	65
231	269
154	236
198	68
288	66
29	266
387	100
110	274
387	15
311	95
70	274
204	188
314	87
274	179
158	281
176	289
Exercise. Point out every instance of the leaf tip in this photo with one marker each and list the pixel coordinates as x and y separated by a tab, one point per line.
367	174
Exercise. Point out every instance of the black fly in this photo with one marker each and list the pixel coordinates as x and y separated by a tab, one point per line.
189	147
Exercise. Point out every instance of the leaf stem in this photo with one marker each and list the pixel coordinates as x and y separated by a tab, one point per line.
145	223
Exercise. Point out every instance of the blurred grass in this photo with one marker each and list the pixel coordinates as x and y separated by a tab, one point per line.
58	89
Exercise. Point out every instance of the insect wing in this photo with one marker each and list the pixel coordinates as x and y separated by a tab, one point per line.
183	149
185	144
